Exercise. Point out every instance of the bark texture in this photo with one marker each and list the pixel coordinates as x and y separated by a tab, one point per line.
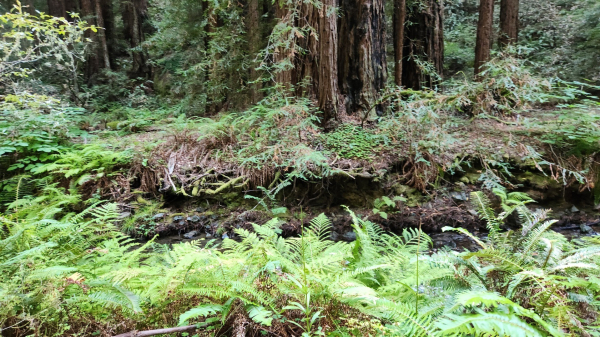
327	60
362	60
484	34
253	26
509	22
399	21
134	13
99	57
57	8
283	77
424	44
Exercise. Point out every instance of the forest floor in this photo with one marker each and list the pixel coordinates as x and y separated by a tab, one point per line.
207	176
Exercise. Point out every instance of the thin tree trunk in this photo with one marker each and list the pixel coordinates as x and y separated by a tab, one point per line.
327	60
484	35
362	59
399	20
253	26
424	44
509	22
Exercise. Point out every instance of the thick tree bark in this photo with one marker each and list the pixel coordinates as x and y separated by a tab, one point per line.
424	42
509	22
484	34
102	34
134	13
399	20
283	77
362	60
328	91
253	27
57	8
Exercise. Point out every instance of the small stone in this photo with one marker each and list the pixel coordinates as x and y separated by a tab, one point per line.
225	236
574	209
200	209
181	223
193	218
585	229
459	196
349	236
335	236
158	216
214	217
208	235
473	212
190	235
124	215
177	218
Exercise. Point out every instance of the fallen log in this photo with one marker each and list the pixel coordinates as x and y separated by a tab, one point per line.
146	333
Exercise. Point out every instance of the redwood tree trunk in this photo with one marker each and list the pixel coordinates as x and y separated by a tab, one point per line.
253	26
327	92
509	22
102	34
134	13
424	44
362	60
57	8
484	34
283	77
399	20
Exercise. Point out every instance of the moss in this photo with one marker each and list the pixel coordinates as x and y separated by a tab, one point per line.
538	180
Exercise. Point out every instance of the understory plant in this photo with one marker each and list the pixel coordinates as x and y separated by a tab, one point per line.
526	282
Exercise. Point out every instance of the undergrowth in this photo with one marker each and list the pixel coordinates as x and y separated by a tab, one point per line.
62	268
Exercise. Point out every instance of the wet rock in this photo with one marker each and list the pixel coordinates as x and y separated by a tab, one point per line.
194	219
208	235
574	209
177	218
214	217
191	235
158	216
459	196
181	223
585	229
225	236
335	236
200	209
349	236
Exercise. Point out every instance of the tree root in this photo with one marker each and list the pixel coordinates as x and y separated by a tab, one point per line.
222	186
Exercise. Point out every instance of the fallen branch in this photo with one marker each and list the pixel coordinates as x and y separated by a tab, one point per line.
136	333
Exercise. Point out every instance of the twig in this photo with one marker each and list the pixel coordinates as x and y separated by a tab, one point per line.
146	333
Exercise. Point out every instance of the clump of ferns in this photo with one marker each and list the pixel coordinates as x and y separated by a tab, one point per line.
529	266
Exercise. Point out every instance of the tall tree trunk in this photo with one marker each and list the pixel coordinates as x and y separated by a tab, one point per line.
327	60
484	34
92	62
253	27
134	13
509	22
362	60
102	34
28	6
399	20
424	44
57	8
283	76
